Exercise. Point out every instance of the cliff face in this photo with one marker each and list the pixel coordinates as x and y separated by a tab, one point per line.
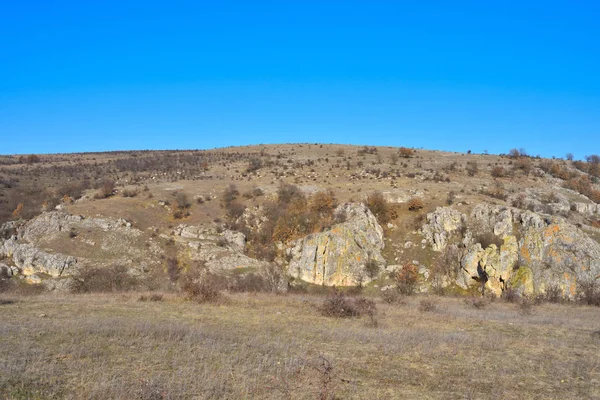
338	256
522	250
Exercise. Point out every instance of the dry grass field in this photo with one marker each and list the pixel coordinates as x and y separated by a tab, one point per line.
264	346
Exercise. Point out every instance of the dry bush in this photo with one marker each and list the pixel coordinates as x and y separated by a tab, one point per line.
106	189
552	294
523	164
151	297
254	164
201	287
477	302
472	168
379	207
427	305
230	194
102	279
405	152
372	269
392	296
286	193
234	210
526	306
323	202
510	295
588	292
498	172
406	279
415	204
130	192
173	269
339	306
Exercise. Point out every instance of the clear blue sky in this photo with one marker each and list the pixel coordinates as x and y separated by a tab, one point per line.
449	75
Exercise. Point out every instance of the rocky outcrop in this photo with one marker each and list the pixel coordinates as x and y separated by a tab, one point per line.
507	247
338	256
586	208
441	224
30	260
55	244
218	250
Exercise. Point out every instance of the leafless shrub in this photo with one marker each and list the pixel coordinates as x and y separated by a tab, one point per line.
510	295
102	279
130	193
498	172
472	168
406	279
392	296
339	306
526	306
201	287
107	189
477	302
151	297
588	292
427	305
230	194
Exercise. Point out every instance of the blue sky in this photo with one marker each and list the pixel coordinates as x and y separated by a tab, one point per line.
460	75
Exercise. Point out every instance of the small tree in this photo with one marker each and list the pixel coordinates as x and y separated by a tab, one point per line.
405	152
569	156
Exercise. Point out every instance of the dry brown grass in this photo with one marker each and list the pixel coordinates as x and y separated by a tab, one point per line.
263	346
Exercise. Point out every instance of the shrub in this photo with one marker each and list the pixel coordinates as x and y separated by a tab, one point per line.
405	152
102	279
526	306
372	269
379	207
427	305
392	296
130	193
230	194
287	192
472	168
477	302
107	189
200	287
235	210
510	295
254	164
498	172
407	279
415	204
323	202
588	292
339	306
151	297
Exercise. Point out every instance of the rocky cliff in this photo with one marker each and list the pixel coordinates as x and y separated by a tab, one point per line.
505	247
338	256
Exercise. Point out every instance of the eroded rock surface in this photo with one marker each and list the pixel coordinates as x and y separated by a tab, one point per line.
533	252
338	256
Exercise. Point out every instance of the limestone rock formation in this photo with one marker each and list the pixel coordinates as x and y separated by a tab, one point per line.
338	256
441	224
55	244
534	252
